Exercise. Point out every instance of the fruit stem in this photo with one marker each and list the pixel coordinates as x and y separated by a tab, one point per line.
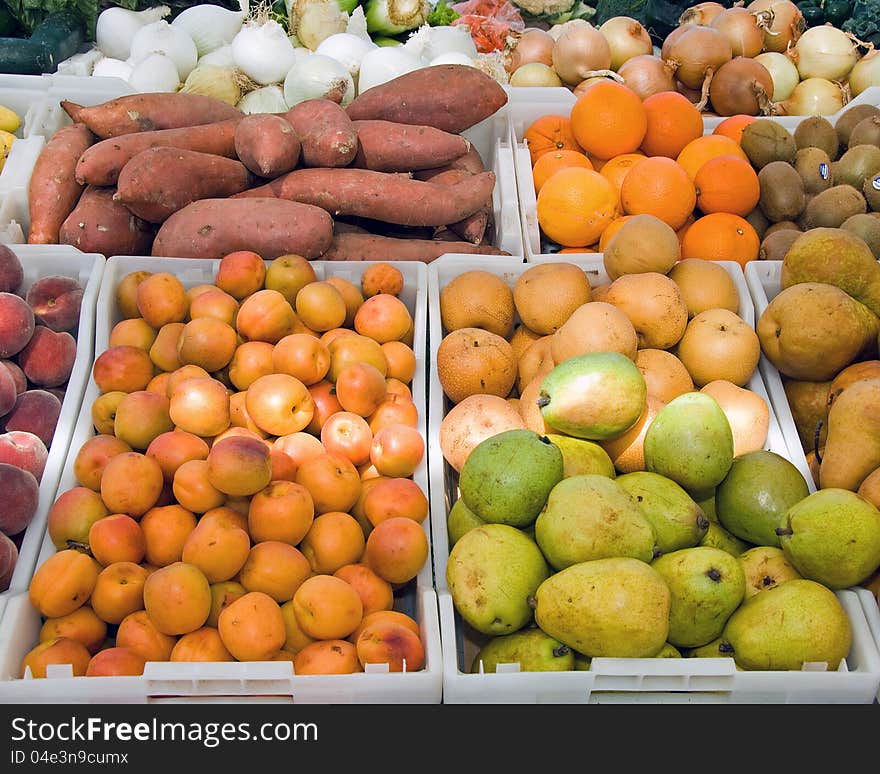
725	647
543	400
714	575
782	531
816	435
532	602
76	545
562	650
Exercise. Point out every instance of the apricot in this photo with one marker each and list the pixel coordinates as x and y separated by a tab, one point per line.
92	457
184	372
163	351
397	450
193	489
265	316
348	434
252	627
395	497
203	644
392	643
60	650
327	607
303	356
240	418
334	539
297	639
200	406
381	277
217	550
223	594
327	657
138	633
126	293
131	483
122	368
116	662
401	361
82	625
345	350
383	317
326	405
117	538
250	361
357	510
141	416
63	583
119	591
321	306
239	466
288	274
103	411
134	332
207	342
375	592
240	273
172	449
166	529
161	298
299	446
360	388
332	480
227	515
275	568
385	615
177	598
159	384
396	549
279	404
281	511
213	302
352	296
72	515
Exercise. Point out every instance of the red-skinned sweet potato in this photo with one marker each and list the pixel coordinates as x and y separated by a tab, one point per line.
387	146
325	131
384	196
473	227
148	112
157	182
103	161
354	246
53	192
267	144
211	228
452	97
99	224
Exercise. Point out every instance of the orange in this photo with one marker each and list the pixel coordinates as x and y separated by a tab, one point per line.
578	250
709	146
721	236
549	133
575	206
552	161
616	169
659	186
733	126
727	184
609	119
612	229
673	121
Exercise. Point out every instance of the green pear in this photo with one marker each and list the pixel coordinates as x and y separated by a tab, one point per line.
617	608
690	441
711	649
718	537
592	517
582	456
492	572
507	477
459	520
764	568
597	395
707	503
833	537
677	520
782	628
582	663
852	448
532	649
669	651
706	585
754	496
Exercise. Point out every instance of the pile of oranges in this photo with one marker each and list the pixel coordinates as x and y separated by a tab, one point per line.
617	156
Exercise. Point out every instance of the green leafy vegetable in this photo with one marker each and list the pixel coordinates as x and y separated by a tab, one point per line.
442	15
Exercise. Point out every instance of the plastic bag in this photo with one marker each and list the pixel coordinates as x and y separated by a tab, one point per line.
490	22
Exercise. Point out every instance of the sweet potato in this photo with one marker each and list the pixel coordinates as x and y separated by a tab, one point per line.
157	182
451	97
267	144
99	224
470	162
148	112
103	161
326	133
53	192
381	195
473	227
351	246
211	228
386	146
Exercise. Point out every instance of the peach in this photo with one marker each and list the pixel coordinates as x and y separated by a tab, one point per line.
279	404
239	466
137	633
240	273
21	494
117	538
321	306
202	645
288	274
393	497
72	515
297	639
116	662
401	361
299	446
193	489
16	324
126	293
381	277
303	356
164	350
334	540
37	412
11	270
56	301
250	361
383	317
345	350
347	434
207	342
327	657
104	411
265	316
81	625
397	450
360	388
161	298
24	450
282	511
8	560
223	594
17	375
375	592
275	568
166	529
215	303
132	483
60	650
8	390
63	583
200	406
392	643
124	368
332	480
327	608
252	627
118	591
132	332
177	598
171	449
141	416
326	404
218	551
396	549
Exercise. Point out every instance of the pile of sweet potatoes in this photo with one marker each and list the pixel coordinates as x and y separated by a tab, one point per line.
390	177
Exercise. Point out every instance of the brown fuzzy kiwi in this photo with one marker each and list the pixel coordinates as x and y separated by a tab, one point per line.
758	221
856	165
782	191
867	226
831	208
783	225
814	167
850	117
871	192
774	246
764	140
817	132
866	132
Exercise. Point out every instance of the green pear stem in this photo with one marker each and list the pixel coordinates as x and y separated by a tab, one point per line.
562	650
782	531
725	647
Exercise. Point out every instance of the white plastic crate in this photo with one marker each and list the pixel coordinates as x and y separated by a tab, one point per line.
619	680
233	681
872	614
87	268
15	178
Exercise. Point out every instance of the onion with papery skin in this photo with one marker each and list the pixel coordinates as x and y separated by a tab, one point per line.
698	53
783	73
825	52
533	45
865	73
693	95
580	51
647	74
534	74
670	39
701	13
589	82
743	30
741	86
627	38
813	97
785	24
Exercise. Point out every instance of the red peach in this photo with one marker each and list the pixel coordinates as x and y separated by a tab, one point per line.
21	494
16	324
48	358
11	271
37	412
17	375
8	560
24	450
56	301
8	391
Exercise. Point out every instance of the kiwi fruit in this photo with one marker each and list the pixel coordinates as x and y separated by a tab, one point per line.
871	192
765	140
782	191
850	117
867	227
831	208
856	165
783	225
814	167
817	132
758	221
866	132
774	246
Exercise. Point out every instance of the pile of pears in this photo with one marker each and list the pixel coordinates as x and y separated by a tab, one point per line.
556	558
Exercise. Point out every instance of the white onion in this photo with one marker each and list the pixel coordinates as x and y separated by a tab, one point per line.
210	26
579	51
318	77
627	38
263	52
162	37
347	49
383	64
782	72
219	57
451	57
108	67
429	42
534	74
813	97
865	73
115	27
268	99
154	73
825	52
